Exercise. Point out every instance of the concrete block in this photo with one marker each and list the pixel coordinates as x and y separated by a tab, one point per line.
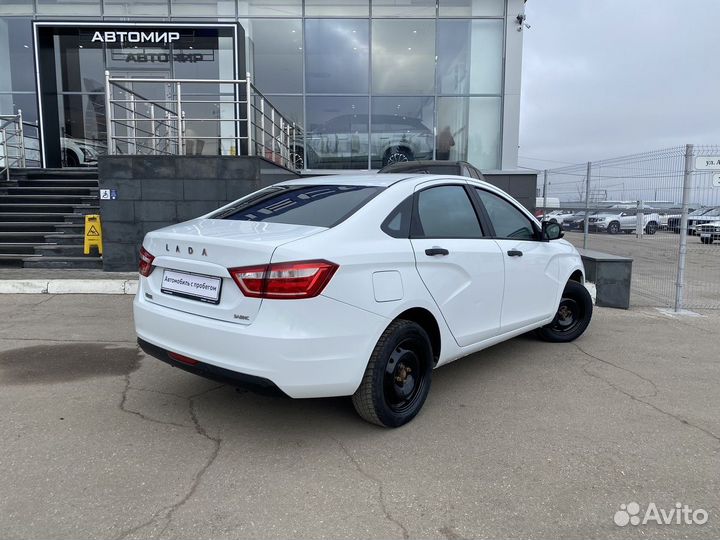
23	286
131	286
232	168
187	210
114	167
119	257
204	190
155	189
155	210
196	167
122	231
86	286
156	167
117	210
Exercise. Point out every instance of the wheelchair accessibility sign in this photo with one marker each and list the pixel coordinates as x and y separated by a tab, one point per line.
108	194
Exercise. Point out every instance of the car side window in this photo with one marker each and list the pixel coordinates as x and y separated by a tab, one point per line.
508	221
445	212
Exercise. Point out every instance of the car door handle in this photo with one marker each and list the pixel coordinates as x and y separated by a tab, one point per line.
436	251
515	253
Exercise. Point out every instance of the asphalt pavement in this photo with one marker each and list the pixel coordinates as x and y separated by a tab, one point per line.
524	440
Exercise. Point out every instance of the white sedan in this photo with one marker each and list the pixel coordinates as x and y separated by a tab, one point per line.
355	286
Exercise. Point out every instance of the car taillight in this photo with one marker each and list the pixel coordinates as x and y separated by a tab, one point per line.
302	279
146	262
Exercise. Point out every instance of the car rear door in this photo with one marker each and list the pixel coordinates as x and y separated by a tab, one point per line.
531	265
461	268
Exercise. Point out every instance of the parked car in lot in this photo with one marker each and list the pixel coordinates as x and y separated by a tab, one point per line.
355	286
705	214
557	216
709	232
618	220
708	217
576	220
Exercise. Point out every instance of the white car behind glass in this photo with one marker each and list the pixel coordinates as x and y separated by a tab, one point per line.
355	286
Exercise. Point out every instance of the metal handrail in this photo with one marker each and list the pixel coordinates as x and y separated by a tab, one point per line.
12	143
246	124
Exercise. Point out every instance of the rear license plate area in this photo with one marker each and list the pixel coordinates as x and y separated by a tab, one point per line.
191	286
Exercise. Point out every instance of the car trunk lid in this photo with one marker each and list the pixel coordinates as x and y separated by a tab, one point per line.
192	260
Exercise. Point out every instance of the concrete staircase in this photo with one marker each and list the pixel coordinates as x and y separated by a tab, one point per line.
42	218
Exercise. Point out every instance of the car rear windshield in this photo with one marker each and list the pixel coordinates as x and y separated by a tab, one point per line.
317	206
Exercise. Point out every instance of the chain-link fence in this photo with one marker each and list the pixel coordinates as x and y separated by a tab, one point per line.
632	206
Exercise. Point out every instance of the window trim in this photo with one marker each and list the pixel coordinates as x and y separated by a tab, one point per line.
405	224
415	232
537	233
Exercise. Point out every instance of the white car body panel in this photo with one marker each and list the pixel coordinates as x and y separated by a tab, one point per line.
319	347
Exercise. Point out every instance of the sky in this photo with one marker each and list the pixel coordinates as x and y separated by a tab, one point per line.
607	78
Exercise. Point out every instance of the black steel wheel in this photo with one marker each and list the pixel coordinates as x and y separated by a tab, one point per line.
398	376
708	240
397	155
572	317
651	228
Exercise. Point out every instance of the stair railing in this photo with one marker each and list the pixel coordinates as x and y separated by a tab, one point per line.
196	117
12	144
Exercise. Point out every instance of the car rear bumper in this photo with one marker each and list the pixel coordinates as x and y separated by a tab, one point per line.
210	371
316	347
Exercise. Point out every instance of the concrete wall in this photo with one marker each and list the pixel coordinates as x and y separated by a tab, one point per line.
156	191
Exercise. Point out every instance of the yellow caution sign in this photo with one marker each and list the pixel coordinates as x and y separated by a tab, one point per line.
93	234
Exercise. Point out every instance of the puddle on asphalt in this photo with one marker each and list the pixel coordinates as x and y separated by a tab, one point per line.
46	364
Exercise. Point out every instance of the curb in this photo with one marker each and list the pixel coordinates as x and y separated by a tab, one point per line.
68	286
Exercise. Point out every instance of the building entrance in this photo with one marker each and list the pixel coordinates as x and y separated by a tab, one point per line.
72	59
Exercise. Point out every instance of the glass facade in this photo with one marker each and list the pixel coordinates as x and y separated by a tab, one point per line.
369	81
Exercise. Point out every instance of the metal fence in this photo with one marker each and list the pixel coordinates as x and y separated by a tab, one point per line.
653	207
155	116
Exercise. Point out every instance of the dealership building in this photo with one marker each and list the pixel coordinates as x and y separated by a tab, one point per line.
357	75
155	112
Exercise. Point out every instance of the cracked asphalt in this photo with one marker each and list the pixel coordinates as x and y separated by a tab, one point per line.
524	440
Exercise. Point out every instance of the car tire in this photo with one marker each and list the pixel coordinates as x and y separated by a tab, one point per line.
613	228
651	228
396	155
398	375
71	159
706	240
572	317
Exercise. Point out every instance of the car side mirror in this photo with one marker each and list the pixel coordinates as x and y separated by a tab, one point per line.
551	231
